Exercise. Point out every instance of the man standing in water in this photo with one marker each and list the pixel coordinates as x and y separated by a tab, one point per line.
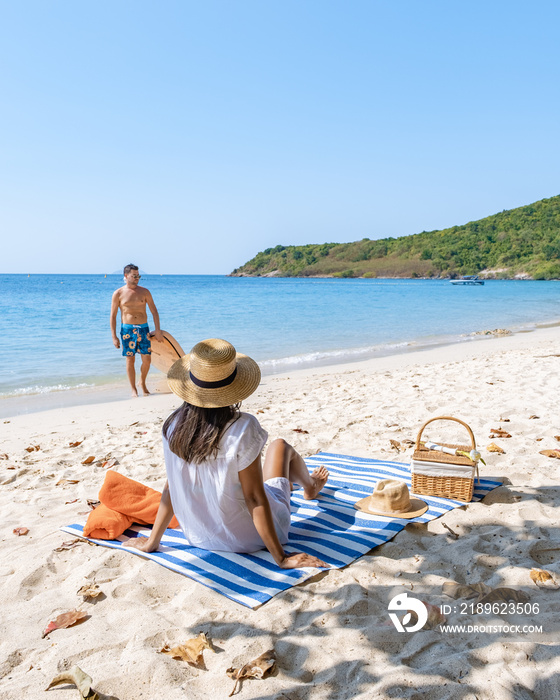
131	300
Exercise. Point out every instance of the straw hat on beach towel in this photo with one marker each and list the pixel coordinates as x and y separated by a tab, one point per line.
390	497
214	375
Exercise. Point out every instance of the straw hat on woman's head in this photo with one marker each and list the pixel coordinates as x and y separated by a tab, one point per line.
214	375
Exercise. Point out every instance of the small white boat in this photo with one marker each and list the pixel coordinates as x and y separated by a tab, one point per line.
468	279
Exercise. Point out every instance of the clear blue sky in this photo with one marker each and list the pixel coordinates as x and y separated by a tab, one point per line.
187	136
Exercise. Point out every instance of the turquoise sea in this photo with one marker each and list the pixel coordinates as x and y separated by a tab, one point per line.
56	335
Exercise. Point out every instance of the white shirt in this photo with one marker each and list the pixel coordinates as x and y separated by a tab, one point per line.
207	498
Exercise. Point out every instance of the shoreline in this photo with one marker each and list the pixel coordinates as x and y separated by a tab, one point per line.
490	275
93	403
118	391
294	324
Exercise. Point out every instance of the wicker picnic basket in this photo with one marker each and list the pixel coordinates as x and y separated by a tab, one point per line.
436	473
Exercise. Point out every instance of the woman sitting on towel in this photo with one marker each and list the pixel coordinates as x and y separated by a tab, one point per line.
221	495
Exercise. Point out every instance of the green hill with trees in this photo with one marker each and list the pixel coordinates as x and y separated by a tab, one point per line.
522	242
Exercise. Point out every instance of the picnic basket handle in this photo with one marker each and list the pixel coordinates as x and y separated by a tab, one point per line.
457	420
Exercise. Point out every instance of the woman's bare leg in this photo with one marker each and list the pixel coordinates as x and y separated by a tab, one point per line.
282	460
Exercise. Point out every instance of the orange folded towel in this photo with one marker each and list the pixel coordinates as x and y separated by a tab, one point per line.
123	501
132	498
106	524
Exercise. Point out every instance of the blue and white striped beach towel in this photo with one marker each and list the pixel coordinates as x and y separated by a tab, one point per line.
329	528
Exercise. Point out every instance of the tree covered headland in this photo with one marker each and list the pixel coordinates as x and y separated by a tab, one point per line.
523	242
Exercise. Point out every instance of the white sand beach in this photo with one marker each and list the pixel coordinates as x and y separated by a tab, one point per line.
332	634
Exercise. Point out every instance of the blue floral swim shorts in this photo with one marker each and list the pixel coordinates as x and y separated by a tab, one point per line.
135	339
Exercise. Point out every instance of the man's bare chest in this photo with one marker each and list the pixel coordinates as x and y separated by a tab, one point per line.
132	299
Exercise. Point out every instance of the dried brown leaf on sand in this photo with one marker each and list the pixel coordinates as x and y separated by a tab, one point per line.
33	448
191	650
75	444
67	619
77	677
4	456
504	420
300	430
19	531
555	454
544	579
498	432
504	595
453	534
557	437
483	593
492	447
90	590
89	460
435	617
108	463
69	544
408	443
260	667
63	482
533	417
396	445
464	590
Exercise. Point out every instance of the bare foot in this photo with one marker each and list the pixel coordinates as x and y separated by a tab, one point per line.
145	391
134	394
319	478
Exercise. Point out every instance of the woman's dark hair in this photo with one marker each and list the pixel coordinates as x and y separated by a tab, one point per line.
196	431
